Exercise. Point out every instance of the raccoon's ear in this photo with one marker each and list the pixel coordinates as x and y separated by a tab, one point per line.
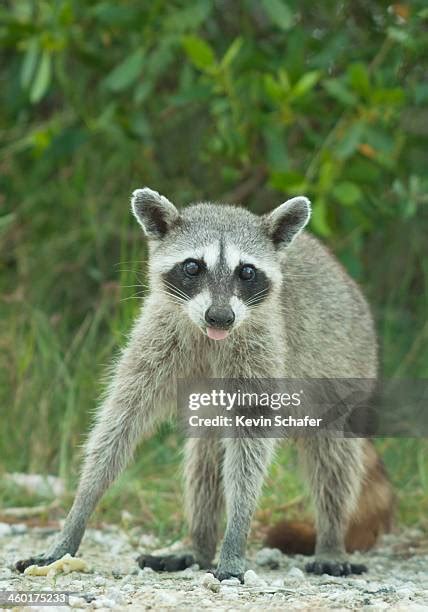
285	222
155	213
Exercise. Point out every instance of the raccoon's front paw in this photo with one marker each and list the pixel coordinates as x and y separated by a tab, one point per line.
334	568
232	567
166	563
40	560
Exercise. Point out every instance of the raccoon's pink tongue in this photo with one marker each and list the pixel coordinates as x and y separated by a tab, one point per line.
217	334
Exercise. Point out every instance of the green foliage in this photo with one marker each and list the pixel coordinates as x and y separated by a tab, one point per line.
200	53
127	72
246	101
279	13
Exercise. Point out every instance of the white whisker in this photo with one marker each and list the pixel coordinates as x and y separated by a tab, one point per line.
175	298
176	290
256	297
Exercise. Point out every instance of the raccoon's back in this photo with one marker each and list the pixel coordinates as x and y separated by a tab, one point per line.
328	324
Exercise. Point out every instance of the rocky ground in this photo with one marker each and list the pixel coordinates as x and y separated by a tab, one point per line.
397	577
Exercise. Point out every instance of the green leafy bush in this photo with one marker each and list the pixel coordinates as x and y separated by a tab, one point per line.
328	100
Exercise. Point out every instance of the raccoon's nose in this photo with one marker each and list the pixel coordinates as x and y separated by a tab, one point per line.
219	316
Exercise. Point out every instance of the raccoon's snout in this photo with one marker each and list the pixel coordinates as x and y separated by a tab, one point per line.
220	317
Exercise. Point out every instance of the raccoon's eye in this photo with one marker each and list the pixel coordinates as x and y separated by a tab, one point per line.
192	267
247	273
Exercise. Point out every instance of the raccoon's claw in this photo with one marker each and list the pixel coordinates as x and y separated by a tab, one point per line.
40	560
166	563
334	568
225	575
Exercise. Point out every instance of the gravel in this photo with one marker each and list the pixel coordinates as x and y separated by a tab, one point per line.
397	577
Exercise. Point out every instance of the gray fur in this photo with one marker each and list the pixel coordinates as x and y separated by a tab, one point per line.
313	322
203	495
245	466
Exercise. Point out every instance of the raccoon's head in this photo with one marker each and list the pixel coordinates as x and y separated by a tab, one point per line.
218	263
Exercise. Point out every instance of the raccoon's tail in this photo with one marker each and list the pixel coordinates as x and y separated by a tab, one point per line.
372	517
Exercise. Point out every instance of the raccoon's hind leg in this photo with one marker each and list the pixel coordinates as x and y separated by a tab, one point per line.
335	469
203	498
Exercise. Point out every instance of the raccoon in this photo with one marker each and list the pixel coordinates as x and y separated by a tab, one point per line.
232	294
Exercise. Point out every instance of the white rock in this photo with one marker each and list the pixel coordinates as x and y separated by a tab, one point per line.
296	573
208	578
167	598
229	592
408	585
377	604
5	529
148	540
187	573
211	583
270	557
99	537
251	579
115	594
231	581
330	578
118	547
169	550
46	486
99	581
77	602
104	602
19	529
373	587
8	586
278	597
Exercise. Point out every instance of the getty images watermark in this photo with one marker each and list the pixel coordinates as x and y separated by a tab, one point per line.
303	407
233	402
